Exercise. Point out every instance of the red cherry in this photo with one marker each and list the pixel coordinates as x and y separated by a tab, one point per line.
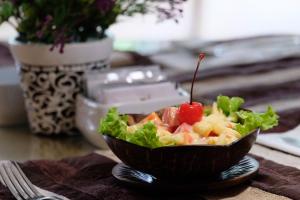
200	58
190	113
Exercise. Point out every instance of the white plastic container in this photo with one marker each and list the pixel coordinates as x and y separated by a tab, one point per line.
89	113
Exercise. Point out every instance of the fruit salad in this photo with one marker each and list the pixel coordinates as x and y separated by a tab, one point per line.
221	123
190	123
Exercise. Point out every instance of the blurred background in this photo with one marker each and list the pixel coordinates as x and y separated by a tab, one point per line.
207	20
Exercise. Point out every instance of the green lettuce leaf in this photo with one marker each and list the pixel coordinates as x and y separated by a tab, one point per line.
230	106
207	111
116	125
145	136
249	121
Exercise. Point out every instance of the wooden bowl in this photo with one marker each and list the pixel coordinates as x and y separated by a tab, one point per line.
188	161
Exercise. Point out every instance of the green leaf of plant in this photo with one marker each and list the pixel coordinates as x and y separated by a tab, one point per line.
6	10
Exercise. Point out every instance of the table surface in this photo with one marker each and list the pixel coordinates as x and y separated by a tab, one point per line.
17	143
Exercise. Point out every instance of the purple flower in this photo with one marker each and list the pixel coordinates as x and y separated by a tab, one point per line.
44	25
104	5
15	2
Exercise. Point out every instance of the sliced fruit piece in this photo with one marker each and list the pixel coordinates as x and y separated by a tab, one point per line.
153	117
183	128
170	117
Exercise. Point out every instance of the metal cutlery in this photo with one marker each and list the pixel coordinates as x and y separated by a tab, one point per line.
12	176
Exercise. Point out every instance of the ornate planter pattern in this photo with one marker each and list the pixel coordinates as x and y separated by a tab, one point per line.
50	93
51	81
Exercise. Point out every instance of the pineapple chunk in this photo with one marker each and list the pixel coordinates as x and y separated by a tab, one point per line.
165	137
212	140
153	117
133	128
203	128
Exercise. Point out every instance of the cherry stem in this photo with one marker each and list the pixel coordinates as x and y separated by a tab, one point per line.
200	58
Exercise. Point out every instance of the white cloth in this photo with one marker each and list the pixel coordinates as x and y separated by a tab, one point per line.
288	142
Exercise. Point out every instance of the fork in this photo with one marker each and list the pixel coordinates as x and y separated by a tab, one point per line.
19	185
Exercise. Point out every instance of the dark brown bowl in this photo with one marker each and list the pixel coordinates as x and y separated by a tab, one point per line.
182	161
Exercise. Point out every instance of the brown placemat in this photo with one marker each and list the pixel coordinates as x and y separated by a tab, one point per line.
89	178
277	179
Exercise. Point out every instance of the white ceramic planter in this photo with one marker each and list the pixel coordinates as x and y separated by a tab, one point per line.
51	81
